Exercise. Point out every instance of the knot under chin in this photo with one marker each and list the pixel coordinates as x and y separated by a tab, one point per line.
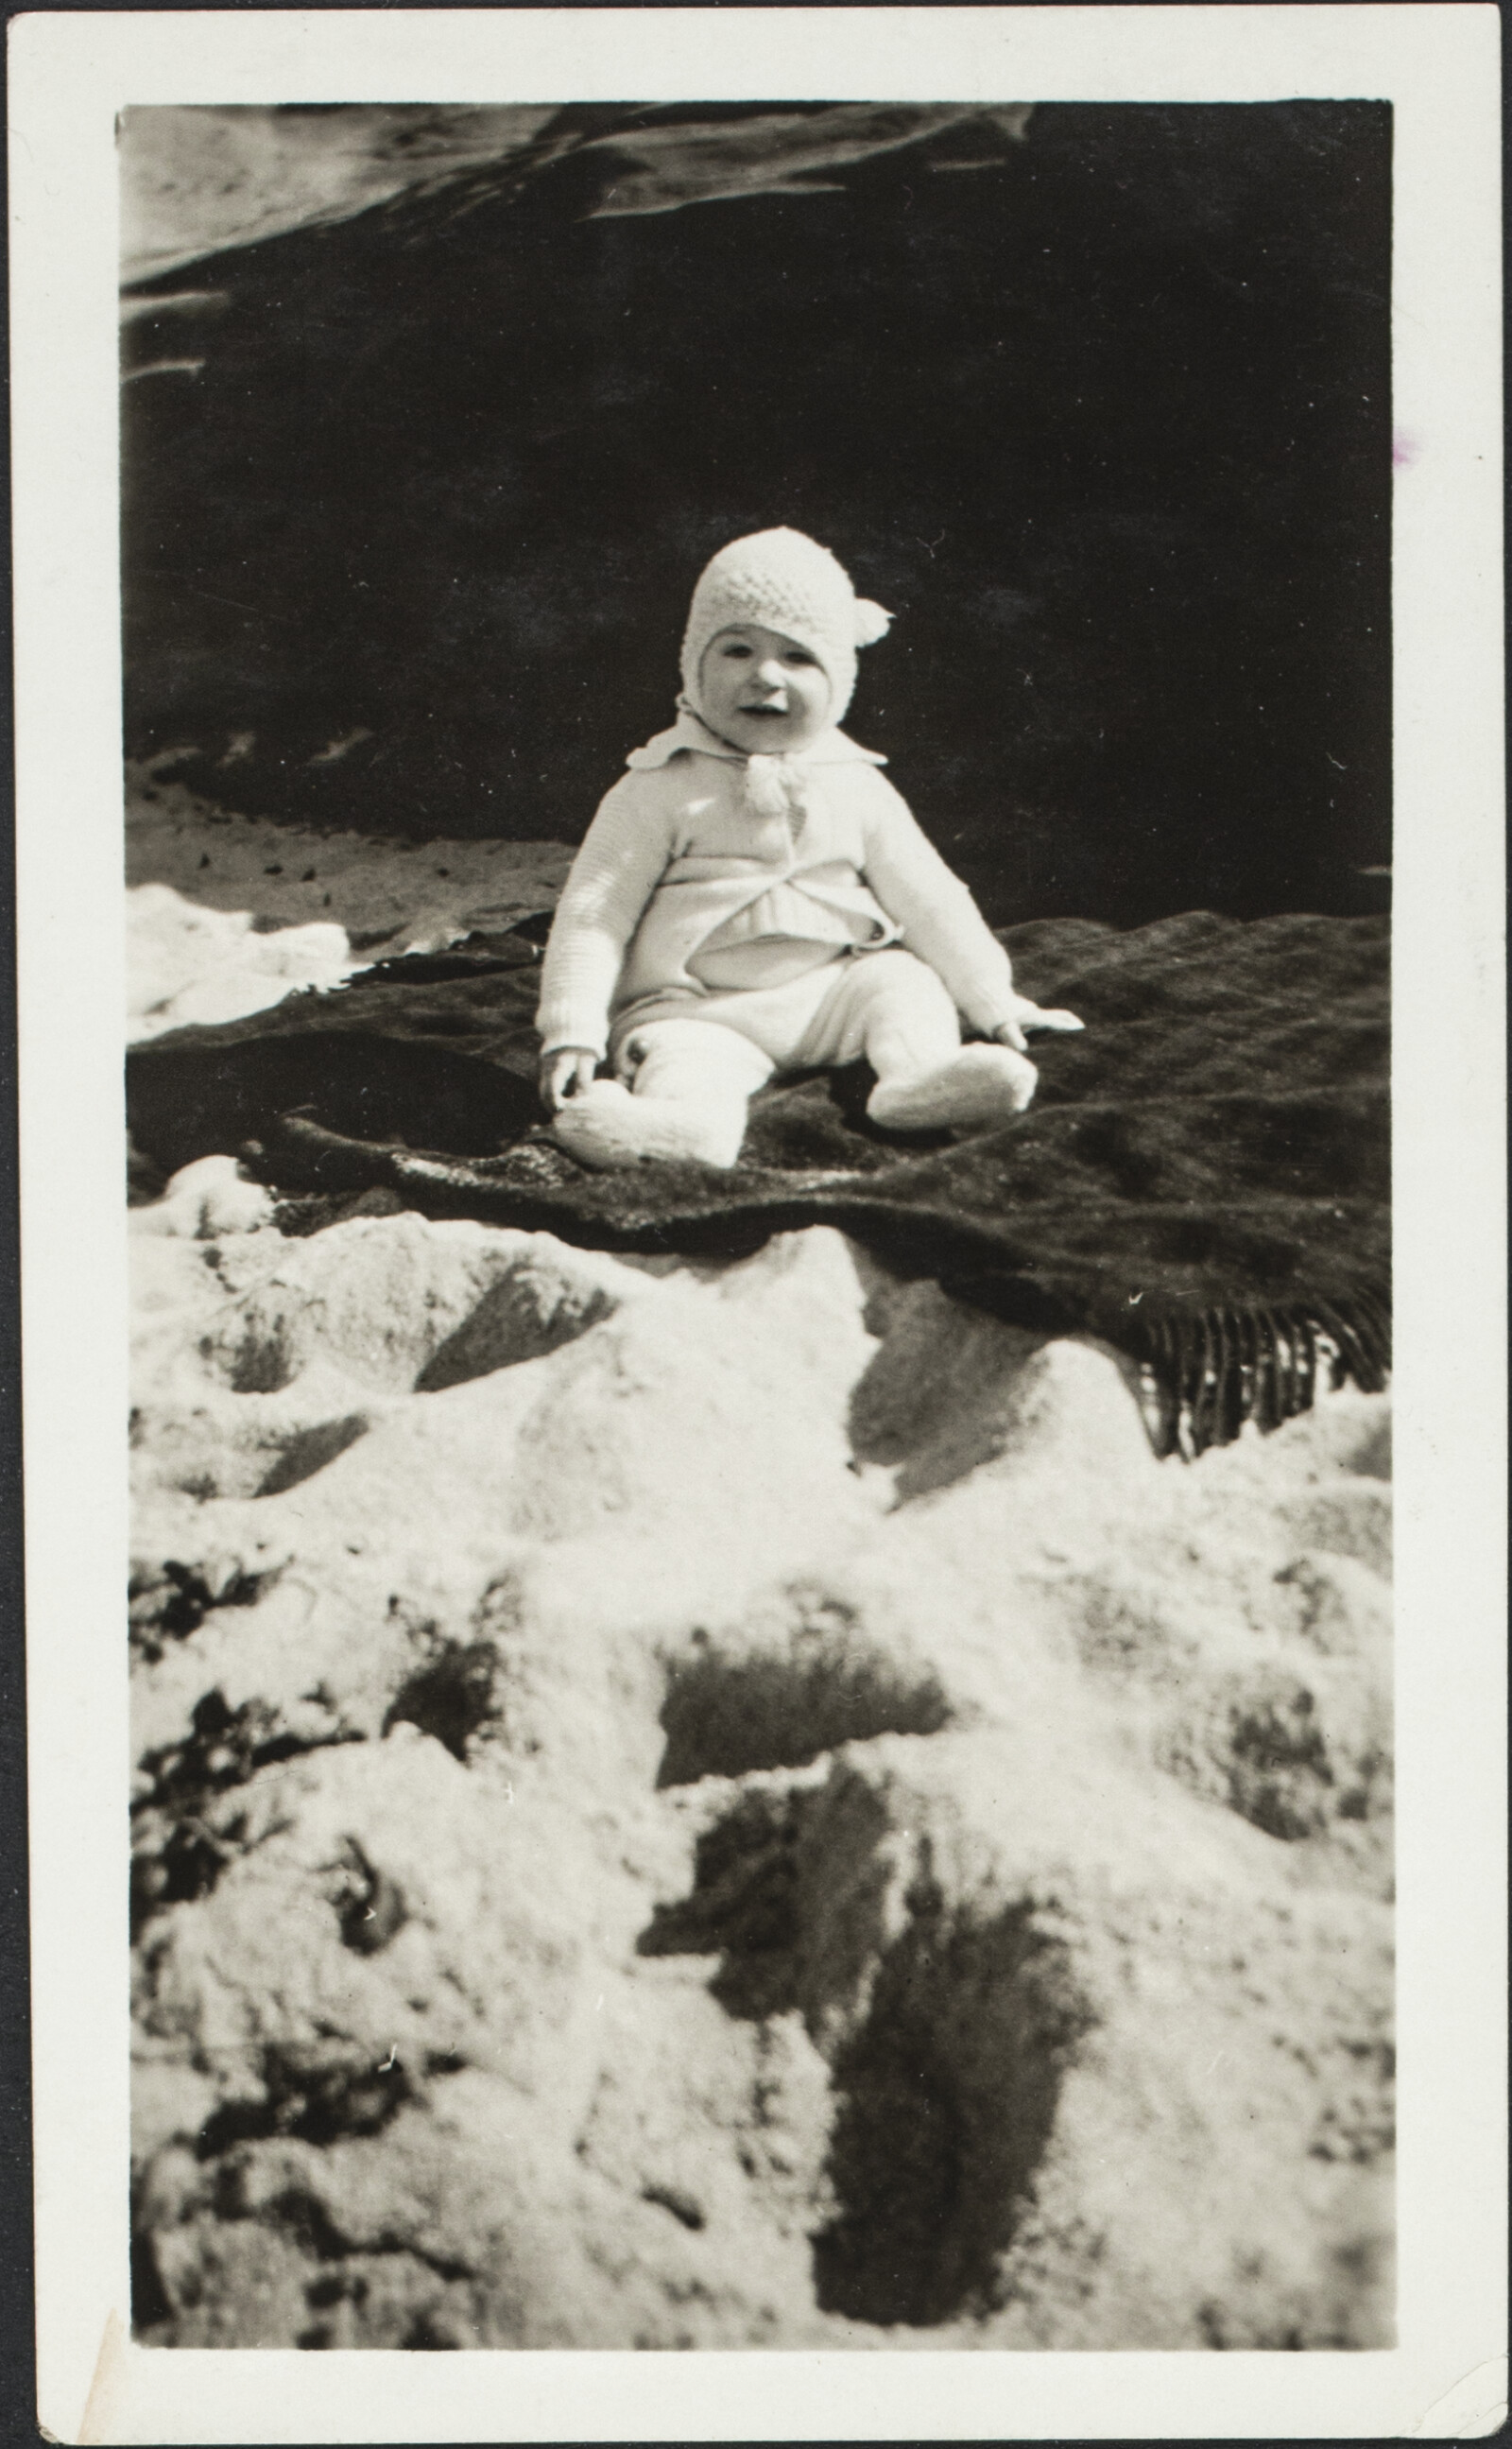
775	787
770	786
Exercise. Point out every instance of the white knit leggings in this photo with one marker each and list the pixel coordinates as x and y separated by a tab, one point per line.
887	1006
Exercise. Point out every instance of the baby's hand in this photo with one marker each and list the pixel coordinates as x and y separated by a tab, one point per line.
1028	1016
564	1073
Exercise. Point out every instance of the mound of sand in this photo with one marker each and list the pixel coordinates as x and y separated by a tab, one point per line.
683	1806
187	964
399	895
226	913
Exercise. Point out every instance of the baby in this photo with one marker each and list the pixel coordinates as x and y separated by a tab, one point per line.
754	899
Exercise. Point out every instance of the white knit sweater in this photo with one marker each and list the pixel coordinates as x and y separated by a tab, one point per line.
674	859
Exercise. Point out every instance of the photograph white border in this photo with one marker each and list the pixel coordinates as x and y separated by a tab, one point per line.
1438	64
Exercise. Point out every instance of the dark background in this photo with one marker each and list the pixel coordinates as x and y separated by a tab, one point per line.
1102	416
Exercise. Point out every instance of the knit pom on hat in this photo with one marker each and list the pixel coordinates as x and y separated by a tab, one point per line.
784	581
871	622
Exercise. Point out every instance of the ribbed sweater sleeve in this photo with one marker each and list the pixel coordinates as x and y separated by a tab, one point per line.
940	921
625	853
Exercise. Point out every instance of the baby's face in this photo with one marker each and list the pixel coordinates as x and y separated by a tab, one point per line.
762	692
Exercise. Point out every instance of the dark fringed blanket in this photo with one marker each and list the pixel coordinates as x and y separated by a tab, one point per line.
1203	1179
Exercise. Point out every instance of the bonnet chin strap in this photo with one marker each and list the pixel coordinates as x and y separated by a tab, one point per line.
770	786
774	788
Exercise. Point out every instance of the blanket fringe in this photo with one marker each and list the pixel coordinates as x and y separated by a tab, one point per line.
1204	1375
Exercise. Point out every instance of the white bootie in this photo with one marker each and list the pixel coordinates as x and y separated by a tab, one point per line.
981	1084
604	1127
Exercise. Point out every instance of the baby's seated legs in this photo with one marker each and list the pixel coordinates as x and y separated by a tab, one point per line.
901	1017
693	1082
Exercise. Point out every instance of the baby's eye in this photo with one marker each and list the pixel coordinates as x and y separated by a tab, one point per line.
799	655
735	652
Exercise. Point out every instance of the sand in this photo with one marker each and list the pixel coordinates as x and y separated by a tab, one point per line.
226	914
730	1806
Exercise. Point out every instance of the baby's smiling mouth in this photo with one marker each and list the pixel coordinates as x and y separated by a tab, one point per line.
780	711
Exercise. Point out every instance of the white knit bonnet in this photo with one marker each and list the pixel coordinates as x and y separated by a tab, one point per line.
784	581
